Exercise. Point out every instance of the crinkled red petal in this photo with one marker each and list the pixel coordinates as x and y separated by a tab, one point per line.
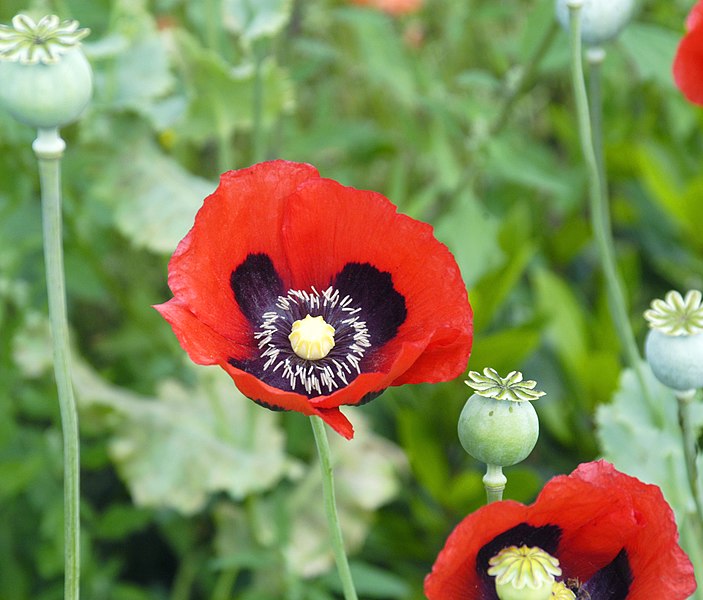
203	345
695	17
243	216
326	226
599	511
276	399
661	568
688	65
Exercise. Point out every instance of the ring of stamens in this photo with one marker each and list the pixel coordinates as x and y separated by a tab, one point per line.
332	369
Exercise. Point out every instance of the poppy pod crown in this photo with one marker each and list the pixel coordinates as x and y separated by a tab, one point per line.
312	295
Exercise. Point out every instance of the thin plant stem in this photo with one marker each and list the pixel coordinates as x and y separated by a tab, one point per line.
525	78
684	399
224	584
340	556
595	58
494	481
258	142
599	212
49	148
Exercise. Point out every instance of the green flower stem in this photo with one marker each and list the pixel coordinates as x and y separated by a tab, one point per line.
600	217
494	481
684	399
525	78
595	58
225	583
49	148
340	556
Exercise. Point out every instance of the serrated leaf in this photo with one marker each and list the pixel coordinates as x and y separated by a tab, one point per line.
178	448
154	198
646	445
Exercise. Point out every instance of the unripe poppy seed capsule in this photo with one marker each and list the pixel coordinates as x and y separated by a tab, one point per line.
601	20
45	79
498	424
674	345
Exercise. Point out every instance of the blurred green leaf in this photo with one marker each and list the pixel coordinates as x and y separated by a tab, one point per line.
221	97
651	48
214	440
153	197
372	582
645	441
472	238
256	19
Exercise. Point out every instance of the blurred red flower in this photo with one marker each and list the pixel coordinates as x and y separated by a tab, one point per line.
688	63
613	534
275	243
392	7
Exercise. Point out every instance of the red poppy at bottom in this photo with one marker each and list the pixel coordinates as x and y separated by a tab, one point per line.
613	536
313	295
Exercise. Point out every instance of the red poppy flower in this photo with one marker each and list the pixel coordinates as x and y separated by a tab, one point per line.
276	243
614	536
688	63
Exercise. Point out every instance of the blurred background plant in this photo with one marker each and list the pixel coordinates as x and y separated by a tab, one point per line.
190	492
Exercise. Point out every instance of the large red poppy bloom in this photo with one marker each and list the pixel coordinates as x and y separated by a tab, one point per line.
688	63
275	243
613	534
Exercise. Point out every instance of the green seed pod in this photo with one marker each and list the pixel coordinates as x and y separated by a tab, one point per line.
601	20
498	425
45	79
676	361
674	344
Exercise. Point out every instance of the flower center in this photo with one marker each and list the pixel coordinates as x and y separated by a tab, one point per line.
524	573
311	338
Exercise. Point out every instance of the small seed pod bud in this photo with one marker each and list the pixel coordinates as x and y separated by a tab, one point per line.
601	20
498	424
674	345
45	79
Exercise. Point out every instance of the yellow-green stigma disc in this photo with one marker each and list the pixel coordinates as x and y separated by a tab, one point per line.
311	338
524	573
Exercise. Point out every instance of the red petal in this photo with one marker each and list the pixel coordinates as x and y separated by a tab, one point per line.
695	17
688	65
254	388
327	225
454	575
596	520
203	345
242	217
660	567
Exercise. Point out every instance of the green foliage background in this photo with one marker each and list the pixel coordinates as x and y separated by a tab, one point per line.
189	490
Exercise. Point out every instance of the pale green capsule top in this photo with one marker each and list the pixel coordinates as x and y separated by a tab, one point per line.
45	79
